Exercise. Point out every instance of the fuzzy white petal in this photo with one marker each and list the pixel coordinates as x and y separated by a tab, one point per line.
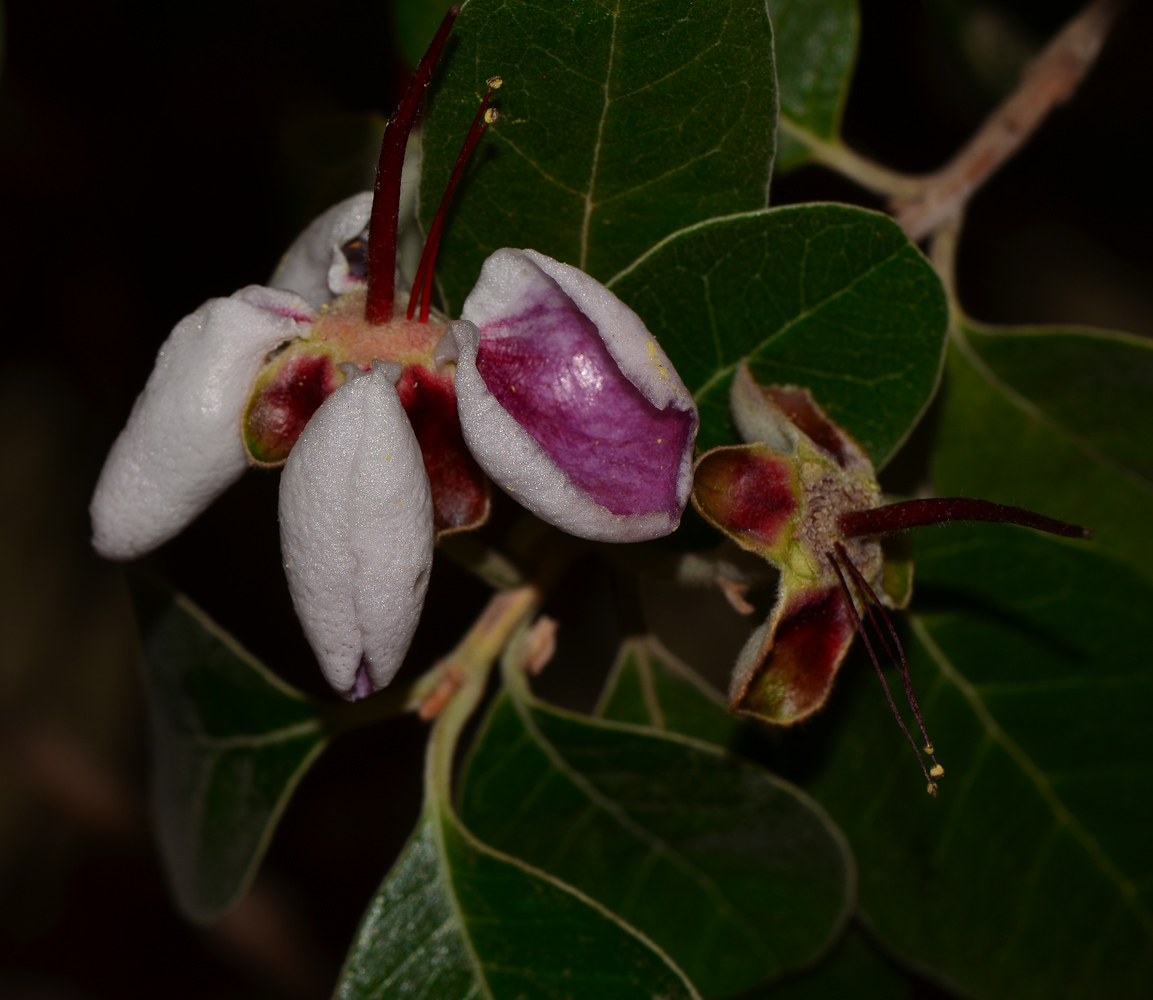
182	446
756	419
356	531
511	283
315	266
518	464
640	358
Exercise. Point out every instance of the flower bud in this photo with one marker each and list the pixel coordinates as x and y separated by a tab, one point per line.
356	532
569	404
182	447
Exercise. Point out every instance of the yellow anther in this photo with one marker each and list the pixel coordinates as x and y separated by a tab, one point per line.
929	749
495	82
932	789
491	115
936	771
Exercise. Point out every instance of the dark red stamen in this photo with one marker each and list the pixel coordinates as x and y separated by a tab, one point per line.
918	513
932	785
902	664
422	283
386	198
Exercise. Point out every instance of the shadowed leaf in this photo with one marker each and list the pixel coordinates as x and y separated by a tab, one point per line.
736	875
1030	875
229	743
816	47
455	920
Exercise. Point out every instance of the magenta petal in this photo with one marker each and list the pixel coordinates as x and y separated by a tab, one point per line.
548	367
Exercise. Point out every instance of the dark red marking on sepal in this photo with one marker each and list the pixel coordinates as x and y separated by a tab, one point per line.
281	406
460	491
746	490
938	510
422	282
804	648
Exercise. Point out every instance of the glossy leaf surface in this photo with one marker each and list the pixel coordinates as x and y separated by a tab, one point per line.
230	741
456	920
734	873
1030	875
1059	421
816	48
829	297
621	123
649	686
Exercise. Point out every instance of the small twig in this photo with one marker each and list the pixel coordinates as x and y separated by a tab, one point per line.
870	175
943	256
1049	81
480	646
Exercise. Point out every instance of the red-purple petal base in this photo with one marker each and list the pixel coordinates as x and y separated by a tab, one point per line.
460	492
800	654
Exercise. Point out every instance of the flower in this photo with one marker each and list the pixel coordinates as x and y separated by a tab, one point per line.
803	495
384	420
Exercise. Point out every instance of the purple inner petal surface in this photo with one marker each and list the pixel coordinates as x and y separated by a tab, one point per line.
548	367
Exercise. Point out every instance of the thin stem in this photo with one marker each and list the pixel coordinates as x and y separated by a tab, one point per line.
932	785
938	510
1048	82
868	174
422	283
943	256
386	197
493	567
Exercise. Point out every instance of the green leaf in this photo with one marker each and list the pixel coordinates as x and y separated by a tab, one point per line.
1056	420
855	970
830	297
416	22
1031	875
816	48
455	919
229	743
622	123
648	686
734	873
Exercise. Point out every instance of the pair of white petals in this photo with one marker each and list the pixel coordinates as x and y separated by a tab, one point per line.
355	502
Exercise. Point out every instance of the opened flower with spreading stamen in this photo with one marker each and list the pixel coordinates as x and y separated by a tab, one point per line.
384	419
803	495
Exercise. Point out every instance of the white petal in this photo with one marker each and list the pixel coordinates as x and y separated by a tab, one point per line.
182	446
505	280
356	532
755	418
561	484
315	266
518	464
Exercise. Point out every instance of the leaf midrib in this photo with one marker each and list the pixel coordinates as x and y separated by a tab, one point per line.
256	740
1061	813
627	823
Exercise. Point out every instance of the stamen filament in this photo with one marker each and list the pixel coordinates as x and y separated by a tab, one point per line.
899	659
422	283
937	510
932	785
386	197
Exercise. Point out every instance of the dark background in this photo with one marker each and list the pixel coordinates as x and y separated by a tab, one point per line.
152	158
